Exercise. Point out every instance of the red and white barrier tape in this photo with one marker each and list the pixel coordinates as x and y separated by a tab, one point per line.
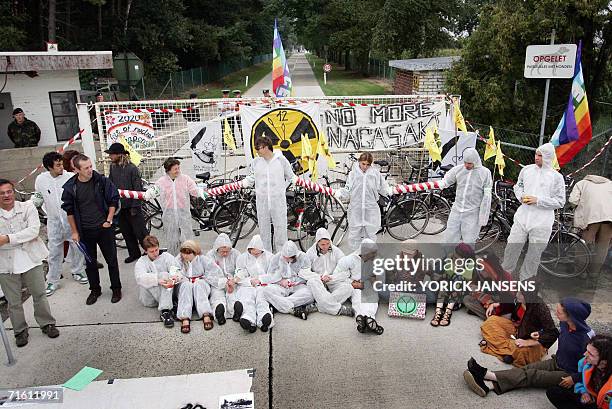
60	150
131	194
220	190
310	185
149	110
603	148
416	187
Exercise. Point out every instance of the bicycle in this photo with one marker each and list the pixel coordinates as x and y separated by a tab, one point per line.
501	218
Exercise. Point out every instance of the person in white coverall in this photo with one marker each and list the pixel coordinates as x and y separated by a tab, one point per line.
290	293
175	189
541	190
271	173
202	279
363	187
364	299
48	193
225	256
472	203
329	286
252	310
156	276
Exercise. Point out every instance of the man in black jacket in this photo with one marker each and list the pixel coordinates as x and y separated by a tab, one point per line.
91	200
125	175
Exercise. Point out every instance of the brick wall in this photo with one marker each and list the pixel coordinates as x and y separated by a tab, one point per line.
403	82
419	83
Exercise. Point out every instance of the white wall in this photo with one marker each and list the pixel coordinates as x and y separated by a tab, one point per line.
32	95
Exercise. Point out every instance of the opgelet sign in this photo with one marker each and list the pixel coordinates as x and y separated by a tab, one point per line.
550	61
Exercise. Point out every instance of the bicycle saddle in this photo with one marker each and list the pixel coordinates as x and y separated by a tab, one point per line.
203	176
446	168
505	185
382	163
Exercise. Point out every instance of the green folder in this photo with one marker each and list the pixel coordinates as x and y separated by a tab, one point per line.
83	378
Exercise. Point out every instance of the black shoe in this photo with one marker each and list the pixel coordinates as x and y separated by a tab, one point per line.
508	359
166	317
130	259
100	265
238	308
21	339
220	314
247	325
116	295
93	297
51	331
474	377
300	312
265	322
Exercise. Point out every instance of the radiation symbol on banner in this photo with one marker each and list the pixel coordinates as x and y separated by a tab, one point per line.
285	127
406	304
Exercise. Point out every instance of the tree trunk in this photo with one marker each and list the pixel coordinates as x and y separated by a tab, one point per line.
68	20
100	21
127	16
51	25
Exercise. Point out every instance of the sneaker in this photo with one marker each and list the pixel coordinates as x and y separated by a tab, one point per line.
80	278
310	308
300	312
100	265
265	322
346	311
116	295
21	339
51	331
166	317
93	297
220	314
474	377
50	289
130	259
238	308
247	325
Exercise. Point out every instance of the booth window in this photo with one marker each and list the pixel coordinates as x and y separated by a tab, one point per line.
65	118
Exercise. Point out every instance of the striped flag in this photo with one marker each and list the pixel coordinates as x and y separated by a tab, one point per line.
281	78
574	131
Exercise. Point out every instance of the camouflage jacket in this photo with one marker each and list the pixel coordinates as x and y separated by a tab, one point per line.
25	135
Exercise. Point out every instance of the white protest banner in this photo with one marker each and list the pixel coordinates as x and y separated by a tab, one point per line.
380	127
136	128
284	126
453	147
205	146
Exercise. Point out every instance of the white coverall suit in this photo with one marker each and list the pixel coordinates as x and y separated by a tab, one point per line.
271	179
472	203
148	273
58	229
353	265
329	296
249	267
534	222
176	213
364	189
297	293
202	279
228	268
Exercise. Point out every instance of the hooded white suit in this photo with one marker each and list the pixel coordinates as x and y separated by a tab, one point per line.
202	279
329	296
472	203
249	267
228	268
534	222
352	264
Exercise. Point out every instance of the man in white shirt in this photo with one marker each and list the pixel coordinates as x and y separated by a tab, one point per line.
49	187
21	256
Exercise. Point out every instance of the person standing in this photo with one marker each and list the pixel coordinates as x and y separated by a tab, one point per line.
271	173
49	187
21	256
472	203
125	175
541	190
91	200
23	132
593	215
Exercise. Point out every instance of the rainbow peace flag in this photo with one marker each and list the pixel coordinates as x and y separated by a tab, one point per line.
281	78
574	131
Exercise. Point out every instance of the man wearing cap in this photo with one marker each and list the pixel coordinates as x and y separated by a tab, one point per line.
266	93
23	132
125	175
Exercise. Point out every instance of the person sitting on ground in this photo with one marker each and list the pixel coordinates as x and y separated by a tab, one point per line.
329	286
594	390
201	281
561	369
289	294
523	338
225	256
462	269
477	302
156	276
252	310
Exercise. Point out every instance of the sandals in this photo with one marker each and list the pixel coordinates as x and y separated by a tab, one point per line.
446	318
437	316
361	325
482	343
208	322
373	326
186	327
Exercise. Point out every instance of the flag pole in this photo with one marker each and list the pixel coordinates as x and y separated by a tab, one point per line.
543	123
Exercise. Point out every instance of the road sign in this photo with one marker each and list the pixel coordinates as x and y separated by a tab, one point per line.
327	67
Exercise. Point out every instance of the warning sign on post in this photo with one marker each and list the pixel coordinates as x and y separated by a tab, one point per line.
327	67
550	61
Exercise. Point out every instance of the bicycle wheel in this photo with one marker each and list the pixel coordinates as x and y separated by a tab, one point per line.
407	219
488	235
339	231
152	208
566	255
439	209
154	224
236	218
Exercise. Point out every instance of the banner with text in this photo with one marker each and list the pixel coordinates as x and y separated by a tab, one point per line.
135	128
